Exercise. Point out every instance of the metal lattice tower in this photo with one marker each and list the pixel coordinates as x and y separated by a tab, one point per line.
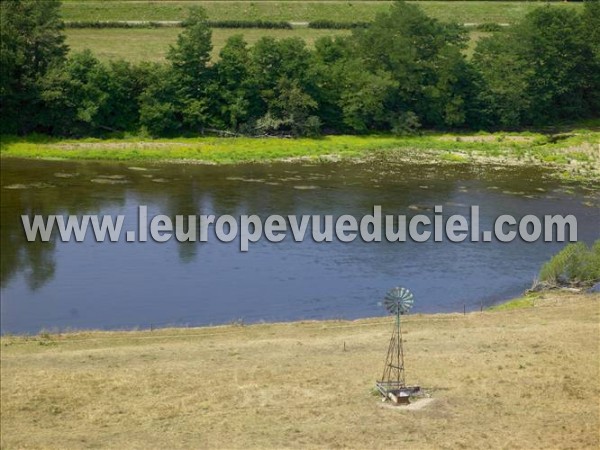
398	301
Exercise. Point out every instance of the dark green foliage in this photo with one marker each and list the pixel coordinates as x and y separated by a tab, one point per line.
123	85
397	74
86	97
488	27
231	91
176	98
189	57
118	24
591	31
31	41
289	111
540	71
281	80
591	25
423	57
71	96
264	24
160	110
363	99
333	25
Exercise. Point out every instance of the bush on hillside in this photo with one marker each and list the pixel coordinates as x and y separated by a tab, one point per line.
576	264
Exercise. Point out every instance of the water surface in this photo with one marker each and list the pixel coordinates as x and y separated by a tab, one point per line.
73	285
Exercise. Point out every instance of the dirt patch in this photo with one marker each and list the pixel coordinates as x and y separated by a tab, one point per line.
414	405
117	145
486	138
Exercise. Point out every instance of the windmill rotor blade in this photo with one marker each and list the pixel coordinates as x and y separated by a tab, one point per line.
398	300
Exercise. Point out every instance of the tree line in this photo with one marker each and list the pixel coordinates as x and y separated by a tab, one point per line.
401	72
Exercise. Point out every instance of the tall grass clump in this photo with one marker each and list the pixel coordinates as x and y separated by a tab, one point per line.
576	264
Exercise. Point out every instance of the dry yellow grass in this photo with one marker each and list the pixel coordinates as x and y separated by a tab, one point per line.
520	378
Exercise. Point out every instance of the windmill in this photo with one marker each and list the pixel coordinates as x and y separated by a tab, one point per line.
398	301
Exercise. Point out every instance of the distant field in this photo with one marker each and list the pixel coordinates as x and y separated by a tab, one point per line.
348	11
151	44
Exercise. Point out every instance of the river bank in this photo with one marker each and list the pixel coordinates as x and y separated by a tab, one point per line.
510	378
571	156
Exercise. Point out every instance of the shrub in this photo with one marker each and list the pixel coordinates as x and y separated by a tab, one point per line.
489	27
406	124
574	264
334	25
118	24
264	24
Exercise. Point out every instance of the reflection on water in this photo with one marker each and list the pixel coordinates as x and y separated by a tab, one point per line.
112	285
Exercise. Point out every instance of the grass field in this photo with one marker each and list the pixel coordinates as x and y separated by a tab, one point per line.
576	156
518	378
300	11
152	44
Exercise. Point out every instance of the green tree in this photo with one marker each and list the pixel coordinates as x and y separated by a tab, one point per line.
540	71
123	84
160	108
232	91
31	41
190	55
290	110
329	78
176	100
591	29
189	59
71	96
283	86
591	24
364	97
423	57
503	96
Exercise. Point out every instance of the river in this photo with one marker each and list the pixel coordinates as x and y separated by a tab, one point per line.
91	285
